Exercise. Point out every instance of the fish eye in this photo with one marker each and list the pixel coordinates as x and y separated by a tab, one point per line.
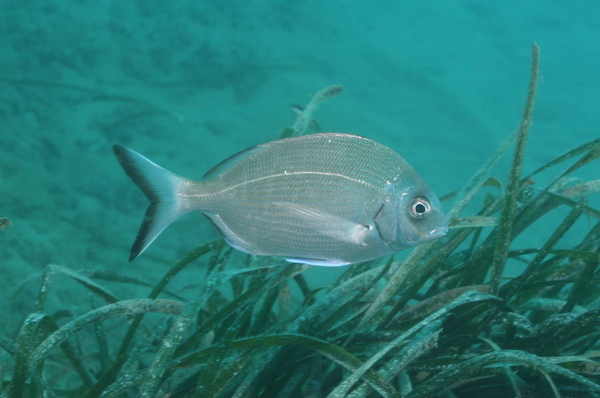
419	207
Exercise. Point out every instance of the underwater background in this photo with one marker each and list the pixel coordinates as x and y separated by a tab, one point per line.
189	83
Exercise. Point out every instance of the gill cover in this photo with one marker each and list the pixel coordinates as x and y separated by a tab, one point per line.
386	222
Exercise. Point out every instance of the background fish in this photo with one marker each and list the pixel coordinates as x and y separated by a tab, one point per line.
323	199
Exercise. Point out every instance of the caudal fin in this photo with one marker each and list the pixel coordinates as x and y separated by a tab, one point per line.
160	187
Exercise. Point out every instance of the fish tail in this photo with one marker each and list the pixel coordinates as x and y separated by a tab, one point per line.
160	187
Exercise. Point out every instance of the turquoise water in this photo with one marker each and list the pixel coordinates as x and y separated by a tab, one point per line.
189	83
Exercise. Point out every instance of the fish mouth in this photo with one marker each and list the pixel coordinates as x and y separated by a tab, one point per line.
427	236
438	232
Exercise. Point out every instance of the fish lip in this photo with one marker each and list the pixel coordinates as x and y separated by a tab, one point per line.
431	235
438	232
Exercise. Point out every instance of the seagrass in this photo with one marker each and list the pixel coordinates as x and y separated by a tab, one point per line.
445	321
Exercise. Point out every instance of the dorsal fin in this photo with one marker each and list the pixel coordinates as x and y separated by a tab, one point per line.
231	161
239	157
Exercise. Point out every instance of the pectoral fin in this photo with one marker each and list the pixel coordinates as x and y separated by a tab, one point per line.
328	224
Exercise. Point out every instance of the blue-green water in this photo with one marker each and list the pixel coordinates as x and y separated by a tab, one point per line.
189	83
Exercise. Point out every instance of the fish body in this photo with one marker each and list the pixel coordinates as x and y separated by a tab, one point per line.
324	199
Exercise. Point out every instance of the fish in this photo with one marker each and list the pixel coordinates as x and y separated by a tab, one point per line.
297	111
325	199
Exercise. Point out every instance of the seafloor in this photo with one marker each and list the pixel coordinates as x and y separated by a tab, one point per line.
189	83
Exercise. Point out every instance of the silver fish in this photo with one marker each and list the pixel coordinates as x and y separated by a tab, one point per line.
325	199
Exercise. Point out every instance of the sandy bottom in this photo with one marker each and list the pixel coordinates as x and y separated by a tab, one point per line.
190	83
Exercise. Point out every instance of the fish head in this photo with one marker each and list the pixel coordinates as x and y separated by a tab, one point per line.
411	217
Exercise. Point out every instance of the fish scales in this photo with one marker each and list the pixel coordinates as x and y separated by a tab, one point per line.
326	153
326	171
326	199
344	182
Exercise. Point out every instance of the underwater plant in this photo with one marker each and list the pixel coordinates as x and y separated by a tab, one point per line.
442	322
